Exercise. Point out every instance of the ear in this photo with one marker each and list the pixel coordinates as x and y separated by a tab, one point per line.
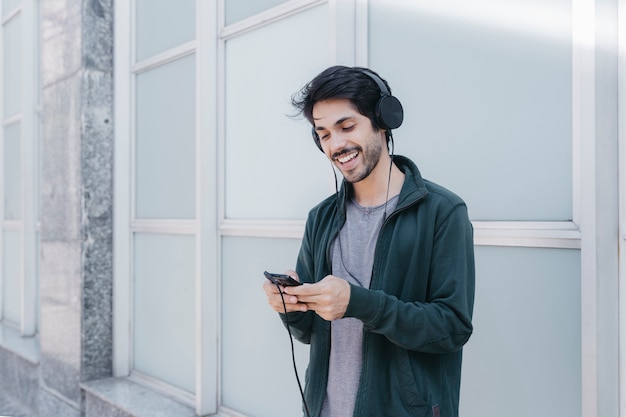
316	139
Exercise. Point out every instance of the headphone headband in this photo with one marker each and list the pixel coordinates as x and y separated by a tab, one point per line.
381	85
388	110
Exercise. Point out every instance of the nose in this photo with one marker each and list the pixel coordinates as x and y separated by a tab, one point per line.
335	143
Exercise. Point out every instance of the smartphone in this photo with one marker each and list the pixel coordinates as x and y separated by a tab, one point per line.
281	279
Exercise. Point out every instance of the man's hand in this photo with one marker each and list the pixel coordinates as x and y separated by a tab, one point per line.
275	301
328	298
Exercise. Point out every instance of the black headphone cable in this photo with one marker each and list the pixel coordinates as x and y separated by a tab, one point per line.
293	354
389	138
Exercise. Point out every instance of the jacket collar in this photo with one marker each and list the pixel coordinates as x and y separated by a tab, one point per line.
413	189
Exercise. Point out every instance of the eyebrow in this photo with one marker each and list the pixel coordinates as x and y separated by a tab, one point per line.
337	123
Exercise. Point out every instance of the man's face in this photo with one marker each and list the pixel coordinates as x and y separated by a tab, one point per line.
348	138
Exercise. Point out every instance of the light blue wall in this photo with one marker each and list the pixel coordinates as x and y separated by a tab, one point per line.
240	9
524	358
9	5
487	95
166	141
164	308
152	16
257	370
268	154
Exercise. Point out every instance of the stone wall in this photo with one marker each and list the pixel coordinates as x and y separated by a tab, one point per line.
76	200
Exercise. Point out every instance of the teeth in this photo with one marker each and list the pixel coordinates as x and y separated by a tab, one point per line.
348	157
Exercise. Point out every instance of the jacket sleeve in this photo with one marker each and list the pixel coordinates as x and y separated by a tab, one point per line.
442	322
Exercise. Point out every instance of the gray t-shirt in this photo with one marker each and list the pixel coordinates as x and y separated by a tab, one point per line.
352	259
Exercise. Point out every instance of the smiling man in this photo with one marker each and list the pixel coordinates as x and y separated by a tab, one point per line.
387	265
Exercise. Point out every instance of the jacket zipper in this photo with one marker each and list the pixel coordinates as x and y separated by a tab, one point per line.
364	366
393	214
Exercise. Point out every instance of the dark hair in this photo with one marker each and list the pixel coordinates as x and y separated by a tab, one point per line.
340	82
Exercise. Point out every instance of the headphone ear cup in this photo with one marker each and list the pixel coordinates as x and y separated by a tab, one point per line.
389	112
316	139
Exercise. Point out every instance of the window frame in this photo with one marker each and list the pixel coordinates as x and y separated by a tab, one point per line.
126	225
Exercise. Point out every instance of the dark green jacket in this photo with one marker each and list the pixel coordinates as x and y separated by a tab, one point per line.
417	312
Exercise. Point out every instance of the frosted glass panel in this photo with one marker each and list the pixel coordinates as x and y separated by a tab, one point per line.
252	370
12	61
163	301
164	24
9	5
486	88
12	258
240	9
273	169
166	141
525	353
12	173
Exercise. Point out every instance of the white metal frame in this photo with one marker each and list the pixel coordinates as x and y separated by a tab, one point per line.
203	227
596	115
127	225
583	96
584	130
121	185
2	191
27	120
208	253
621	24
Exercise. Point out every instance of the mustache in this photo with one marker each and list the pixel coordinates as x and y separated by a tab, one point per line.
345	152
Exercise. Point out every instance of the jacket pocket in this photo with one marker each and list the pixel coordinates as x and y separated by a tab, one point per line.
412	396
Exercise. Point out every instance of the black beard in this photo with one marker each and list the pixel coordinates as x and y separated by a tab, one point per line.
370	159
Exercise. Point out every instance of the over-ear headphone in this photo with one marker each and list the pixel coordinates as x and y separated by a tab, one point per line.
388	110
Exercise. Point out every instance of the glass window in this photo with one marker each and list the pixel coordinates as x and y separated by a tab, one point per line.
164	24
9	5
268	154
528	333
18	271
11	295
490	84
165	145
249	379
164	308
12	173
12	68
241	9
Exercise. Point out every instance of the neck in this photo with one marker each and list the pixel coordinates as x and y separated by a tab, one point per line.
380	185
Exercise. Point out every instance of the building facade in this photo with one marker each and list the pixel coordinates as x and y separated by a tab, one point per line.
150	172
